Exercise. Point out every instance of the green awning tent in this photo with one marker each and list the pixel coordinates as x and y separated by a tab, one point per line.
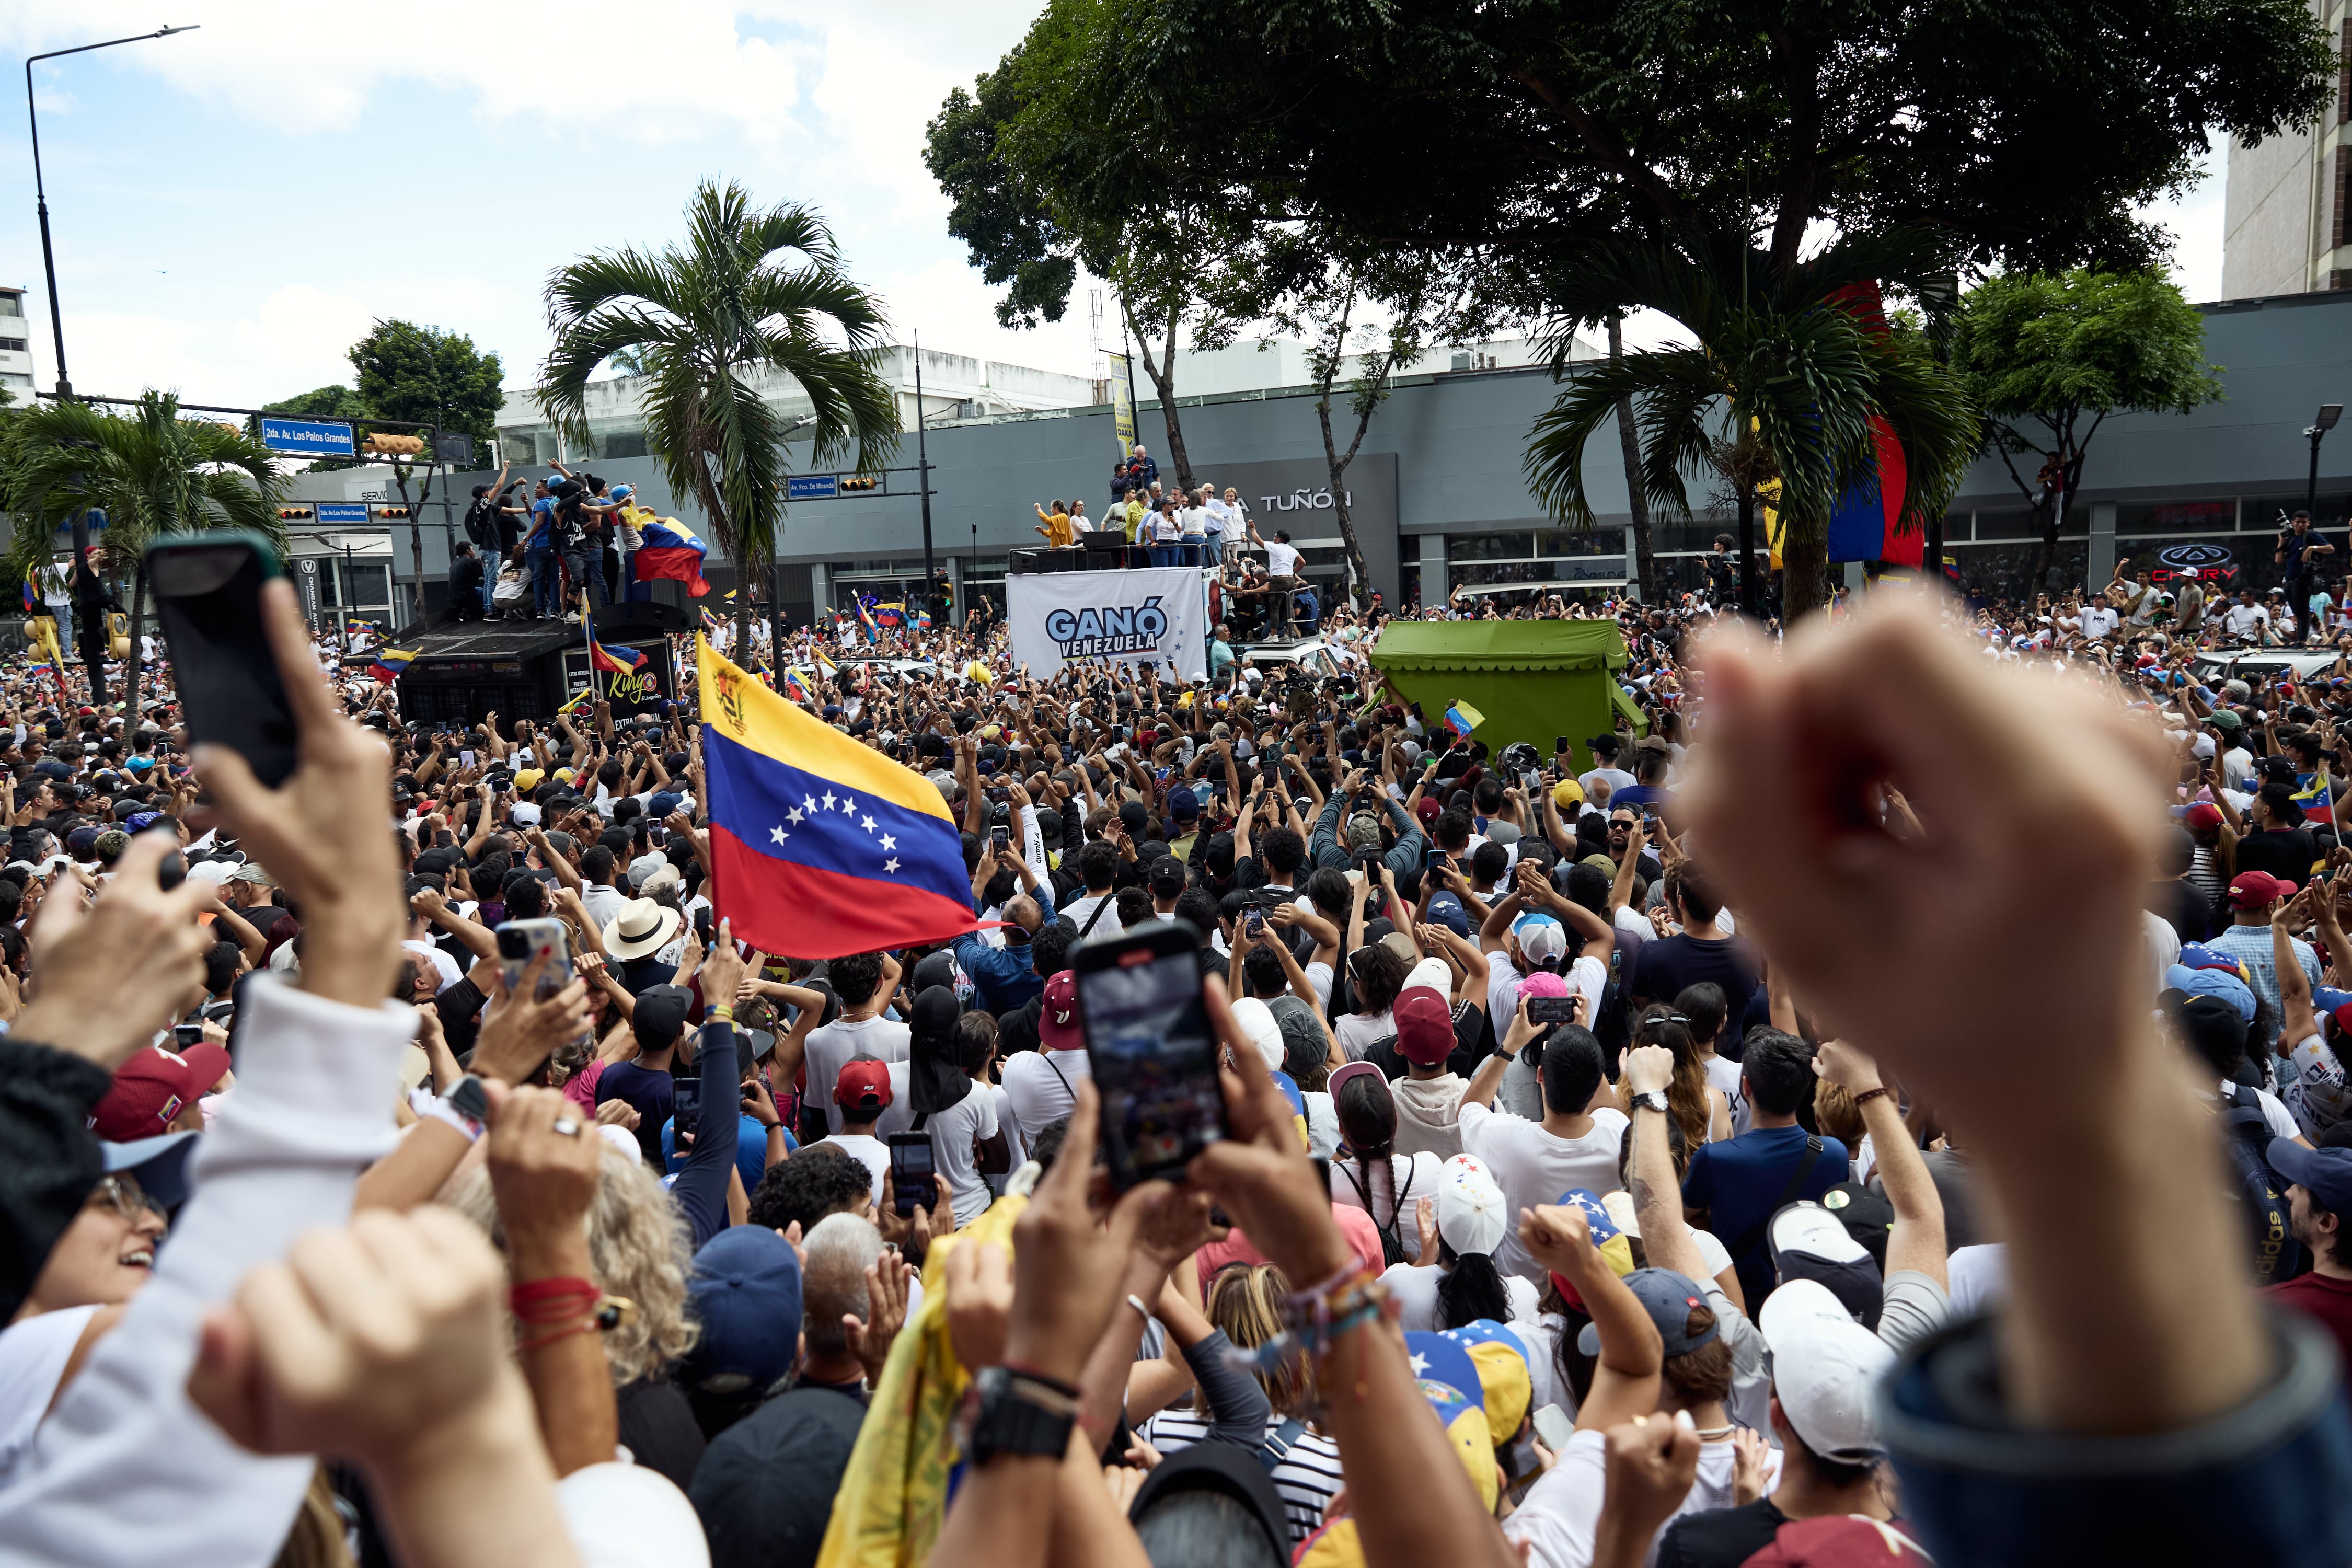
1532	680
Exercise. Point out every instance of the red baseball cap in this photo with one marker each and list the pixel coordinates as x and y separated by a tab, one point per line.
152	1087
1058	1014
2204	814
2253	890
864	1085
1425	1026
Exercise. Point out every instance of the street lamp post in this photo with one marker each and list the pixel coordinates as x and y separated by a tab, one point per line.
2329	412
80	523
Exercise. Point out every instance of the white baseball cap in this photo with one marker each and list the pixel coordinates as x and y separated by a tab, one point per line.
1542	938
1265	1031
1469	1208
1825	1368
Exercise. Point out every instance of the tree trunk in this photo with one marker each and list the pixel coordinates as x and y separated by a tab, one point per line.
1805	568
1163	383
138	615
743	580
1360	576
415	543
1751	603
1645	565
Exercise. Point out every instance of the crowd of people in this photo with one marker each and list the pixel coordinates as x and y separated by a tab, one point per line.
1887	1104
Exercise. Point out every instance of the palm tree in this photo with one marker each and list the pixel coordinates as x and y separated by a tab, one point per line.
1774	357
149	470
695	321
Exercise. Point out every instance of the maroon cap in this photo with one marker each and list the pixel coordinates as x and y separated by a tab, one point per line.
2204	814
1058	1014
864	1085
2256	889
153	1086
1839	1541
1429	810
1425	1026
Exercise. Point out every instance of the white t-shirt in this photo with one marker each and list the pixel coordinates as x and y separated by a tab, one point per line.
1534	1167
1358	1033
2318	1096
1281	560
1000	1105
876	1156
1723	1074
1079	910
2244	618
953	1133
443	964
1414	1287
2099	620
1414	1176
1042	1089
1563	1507
832	1044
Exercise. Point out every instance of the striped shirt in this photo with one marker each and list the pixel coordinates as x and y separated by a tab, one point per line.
1307	1479
2251	945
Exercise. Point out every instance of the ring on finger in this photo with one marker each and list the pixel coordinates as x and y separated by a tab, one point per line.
566	1127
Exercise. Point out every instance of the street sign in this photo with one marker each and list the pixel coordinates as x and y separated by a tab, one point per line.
456	450
811	487
343	513
309	578
308	438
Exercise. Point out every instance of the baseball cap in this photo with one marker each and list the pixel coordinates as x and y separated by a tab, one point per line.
1445	910
1566	793
2204	814
1808	1242
1668	1298
1542	938
1424	1025
153	1086
1868	1217
1363	831
644	865
1348	1071
2252	890
2220	983
1256	1021
527	780
864	1084
746	1293
1167	878
1839	1541
1824	1368
1470	1208
2324	1174
159	1164
2224	719
1058	1014
1181	805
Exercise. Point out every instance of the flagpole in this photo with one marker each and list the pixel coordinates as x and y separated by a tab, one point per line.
588	639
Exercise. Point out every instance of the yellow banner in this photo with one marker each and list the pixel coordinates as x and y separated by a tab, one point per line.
1122	406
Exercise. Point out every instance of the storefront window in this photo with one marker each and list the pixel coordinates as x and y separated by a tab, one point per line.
1489	546
1580	541
2176	517
2007	571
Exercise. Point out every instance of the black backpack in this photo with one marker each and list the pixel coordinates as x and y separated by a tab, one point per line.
2277	1256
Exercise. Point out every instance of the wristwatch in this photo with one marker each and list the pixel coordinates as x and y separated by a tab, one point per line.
1009	1412
1651	1100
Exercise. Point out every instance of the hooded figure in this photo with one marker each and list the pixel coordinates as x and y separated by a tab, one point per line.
933	1076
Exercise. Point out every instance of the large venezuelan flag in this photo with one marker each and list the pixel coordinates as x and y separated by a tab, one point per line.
820	846
667	548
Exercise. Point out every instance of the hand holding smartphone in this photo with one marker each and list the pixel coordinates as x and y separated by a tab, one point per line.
1153	1049
208	595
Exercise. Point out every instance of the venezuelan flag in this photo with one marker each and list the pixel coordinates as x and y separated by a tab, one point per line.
32	605
819	846
613	661
794	689
2314	800
891	614
1462	719
390	662
667	549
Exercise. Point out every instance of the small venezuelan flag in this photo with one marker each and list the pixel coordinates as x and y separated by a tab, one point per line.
390	662
794	689
1462	719
32	605
819	846
613	661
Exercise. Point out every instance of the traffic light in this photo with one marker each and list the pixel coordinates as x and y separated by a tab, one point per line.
393	446
294	514
858	482
388	513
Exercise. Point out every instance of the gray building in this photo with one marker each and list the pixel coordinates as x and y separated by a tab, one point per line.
1440	499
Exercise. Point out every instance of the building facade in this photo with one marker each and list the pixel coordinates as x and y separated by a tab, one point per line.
1439	499
16	345
2286	205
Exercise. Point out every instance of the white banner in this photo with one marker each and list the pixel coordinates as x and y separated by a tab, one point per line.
1155	615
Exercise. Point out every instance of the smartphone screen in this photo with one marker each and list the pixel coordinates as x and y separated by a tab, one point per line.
208	595
1152	1050
466	756
685	1109
520	941
911	1186
1551	1009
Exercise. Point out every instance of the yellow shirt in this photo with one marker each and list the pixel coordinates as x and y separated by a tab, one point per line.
1057	531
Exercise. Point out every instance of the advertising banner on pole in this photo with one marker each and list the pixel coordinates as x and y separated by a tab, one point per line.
1122	406
1156	616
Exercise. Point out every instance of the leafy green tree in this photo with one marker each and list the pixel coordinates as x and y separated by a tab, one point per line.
428	376
1768	358
153	470
2048	357
704	319
1004	219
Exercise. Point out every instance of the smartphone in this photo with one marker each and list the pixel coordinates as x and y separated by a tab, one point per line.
520	941
1436	860
1001	837
187	1034
208	593
1554	1426
466	756
1153	1051
1551	1009
1559	743
686	1110
911	1186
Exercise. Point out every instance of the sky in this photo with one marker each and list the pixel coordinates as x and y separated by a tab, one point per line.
233	207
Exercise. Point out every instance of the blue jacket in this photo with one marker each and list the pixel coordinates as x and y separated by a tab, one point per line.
2265	1483
1005	977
